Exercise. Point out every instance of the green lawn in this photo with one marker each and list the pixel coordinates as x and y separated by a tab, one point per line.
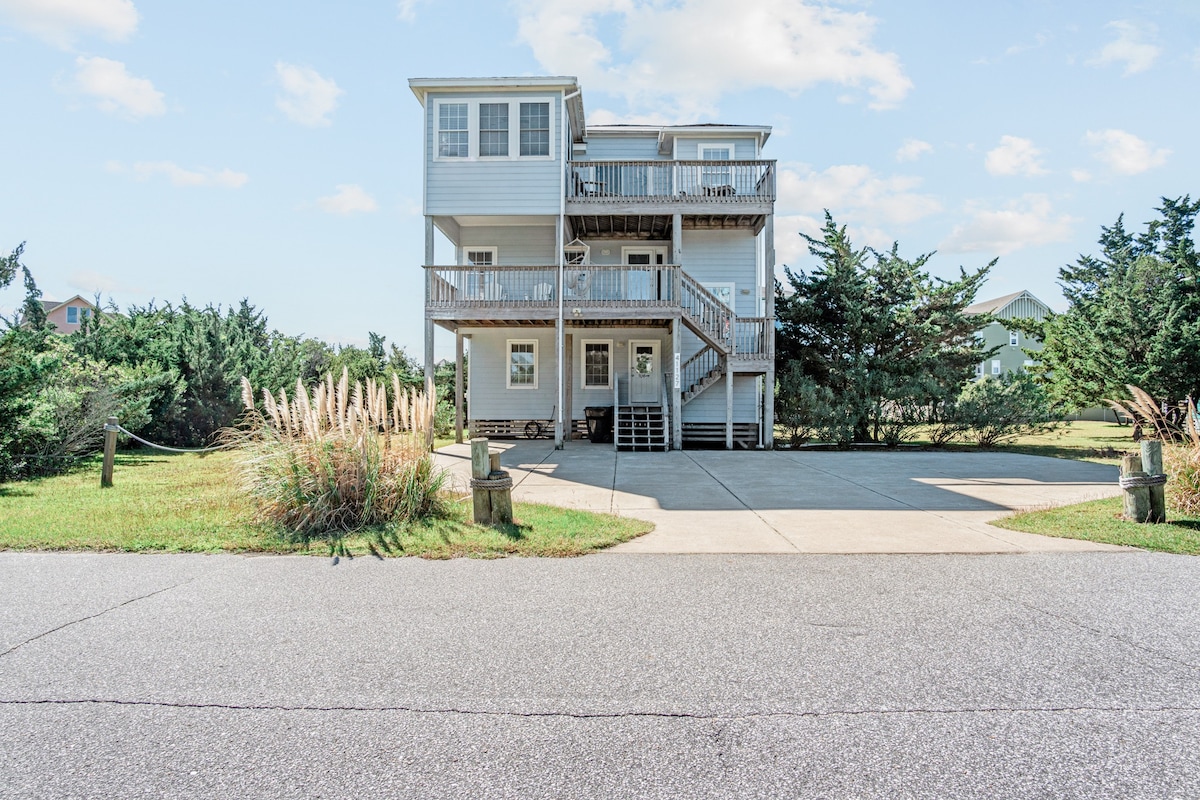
170	503
1100	521
1100	442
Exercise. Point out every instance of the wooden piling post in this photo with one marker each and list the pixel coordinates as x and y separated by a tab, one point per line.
1137	498
480	470
1152	464
110	452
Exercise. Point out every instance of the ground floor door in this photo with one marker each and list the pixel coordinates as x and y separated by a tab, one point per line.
645	379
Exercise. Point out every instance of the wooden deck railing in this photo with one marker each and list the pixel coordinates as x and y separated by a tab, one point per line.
629	286
712	319
697	367
752	338
721	182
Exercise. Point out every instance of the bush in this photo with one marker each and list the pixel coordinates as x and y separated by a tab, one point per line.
335	460
990	411
1178	428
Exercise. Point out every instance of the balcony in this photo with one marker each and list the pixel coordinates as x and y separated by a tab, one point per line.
729	193
646	294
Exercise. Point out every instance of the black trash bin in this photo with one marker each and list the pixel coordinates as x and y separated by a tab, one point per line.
599	423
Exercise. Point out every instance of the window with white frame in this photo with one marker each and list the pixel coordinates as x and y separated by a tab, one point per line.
522	364
72	315
535	129
1013	338
597	363
483	129
480	256
453	131
979	370
995	366
493	129
722	291
715	175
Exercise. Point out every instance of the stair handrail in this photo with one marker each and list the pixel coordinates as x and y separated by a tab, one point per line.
709	314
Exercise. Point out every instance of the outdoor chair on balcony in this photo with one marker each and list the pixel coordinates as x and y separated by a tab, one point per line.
543	292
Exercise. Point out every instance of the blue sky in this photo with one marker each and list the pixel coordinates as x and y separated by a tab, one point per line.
222	150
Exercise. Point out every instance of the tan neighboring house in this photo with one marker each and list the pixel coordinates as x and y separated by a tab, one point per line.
1016	350
67	315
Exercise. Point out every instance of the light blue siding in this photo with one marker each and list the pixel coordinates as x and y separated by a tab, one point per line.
524	245
728	256
744	148
503	186
710	406
623	148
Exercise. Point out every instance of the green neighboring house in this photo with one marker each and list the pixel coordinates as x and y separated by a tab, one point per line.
1017	352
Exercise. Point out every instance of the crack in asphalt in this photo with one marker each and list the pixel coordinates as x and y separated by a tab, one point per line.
585	715
1095	631
44	634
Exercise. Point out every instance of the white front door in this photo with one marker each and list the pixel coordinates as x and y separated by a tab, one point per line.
644	377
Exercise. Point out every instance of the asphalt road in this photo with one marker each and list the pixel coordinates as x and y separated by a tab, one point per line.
1036	675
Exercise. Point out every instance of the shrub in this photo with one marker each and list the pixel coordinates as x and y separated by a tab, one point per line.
992	410
1178	428
335	460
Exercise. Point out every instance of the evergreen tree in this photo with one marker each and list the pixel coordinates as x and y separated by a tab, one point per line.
884	341
1134	315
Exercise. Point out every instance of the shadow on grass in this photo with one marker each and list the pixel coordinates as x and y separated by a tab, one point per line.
13	491
1190	524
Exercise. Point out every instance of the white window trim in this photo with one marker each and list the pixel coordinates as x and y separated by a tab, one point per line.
514	128
583	343
654	252
1014	338
69	310
701	145
731	286
508	364
995	366
495	251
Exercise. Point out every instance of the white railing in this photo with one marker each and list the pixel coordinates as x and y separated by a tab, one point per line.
629	286
672	181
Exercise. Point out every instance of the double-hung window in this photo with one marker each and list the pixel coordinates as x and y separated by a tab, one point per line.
1013	338
72	315
535	129
493	129
522	364
716	178
597	364
453	132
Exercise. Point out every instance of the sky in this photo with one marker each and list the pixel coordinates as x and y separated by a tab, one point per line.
152	151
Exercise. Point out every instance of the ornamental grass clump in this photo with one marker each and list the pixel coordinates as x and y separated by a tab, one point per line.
1178	428
339	458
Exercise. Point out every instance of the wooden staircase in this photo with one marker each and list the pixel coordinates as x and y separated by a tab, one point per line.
641	428
701	371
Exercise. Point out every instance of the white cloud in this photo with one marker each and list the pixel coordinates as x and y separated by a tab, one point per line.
178	176
1124	153
307	97
60	22
350	198
90	283
1080	175
912	149
406	10
115	90
1129	48
678	59
1014	156
854	194
1027	222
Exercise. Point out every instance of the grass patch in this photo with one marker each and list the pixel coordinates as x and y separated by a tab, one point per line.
185	504
1081	440
1100	521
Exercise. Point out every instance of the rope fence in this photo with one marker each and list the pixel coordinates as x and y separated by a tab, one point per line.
136	438
112	428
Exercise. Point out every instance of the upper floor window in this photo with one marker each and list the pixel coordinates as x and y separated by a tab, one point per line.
1013	338
535	129
453	135
483	128
72	315
493	129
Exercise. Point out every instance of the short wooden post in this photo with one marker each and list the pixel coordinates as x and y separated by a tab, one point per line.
1137	498
501	499
480	470
110	452
1152	464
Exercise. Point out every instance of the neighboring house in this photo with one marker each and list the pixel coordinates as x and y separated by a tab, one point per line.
621	266
67	315
1016	350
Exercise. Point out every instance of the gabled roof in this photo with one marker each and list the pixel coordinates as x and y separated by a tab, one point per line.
999	304
52	305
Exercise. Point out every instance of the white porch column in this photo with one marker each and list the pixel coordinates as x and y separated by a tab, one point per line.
676	386
769	380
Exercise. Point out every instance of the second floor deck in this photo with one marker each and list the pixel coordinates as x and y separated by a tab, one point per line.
691	187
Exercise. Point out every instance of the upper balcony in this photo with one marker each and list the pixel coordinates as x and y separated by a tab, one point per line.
710	188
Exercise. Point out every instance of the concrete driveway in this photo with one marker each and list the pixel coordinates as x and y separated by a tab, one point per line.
803	501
